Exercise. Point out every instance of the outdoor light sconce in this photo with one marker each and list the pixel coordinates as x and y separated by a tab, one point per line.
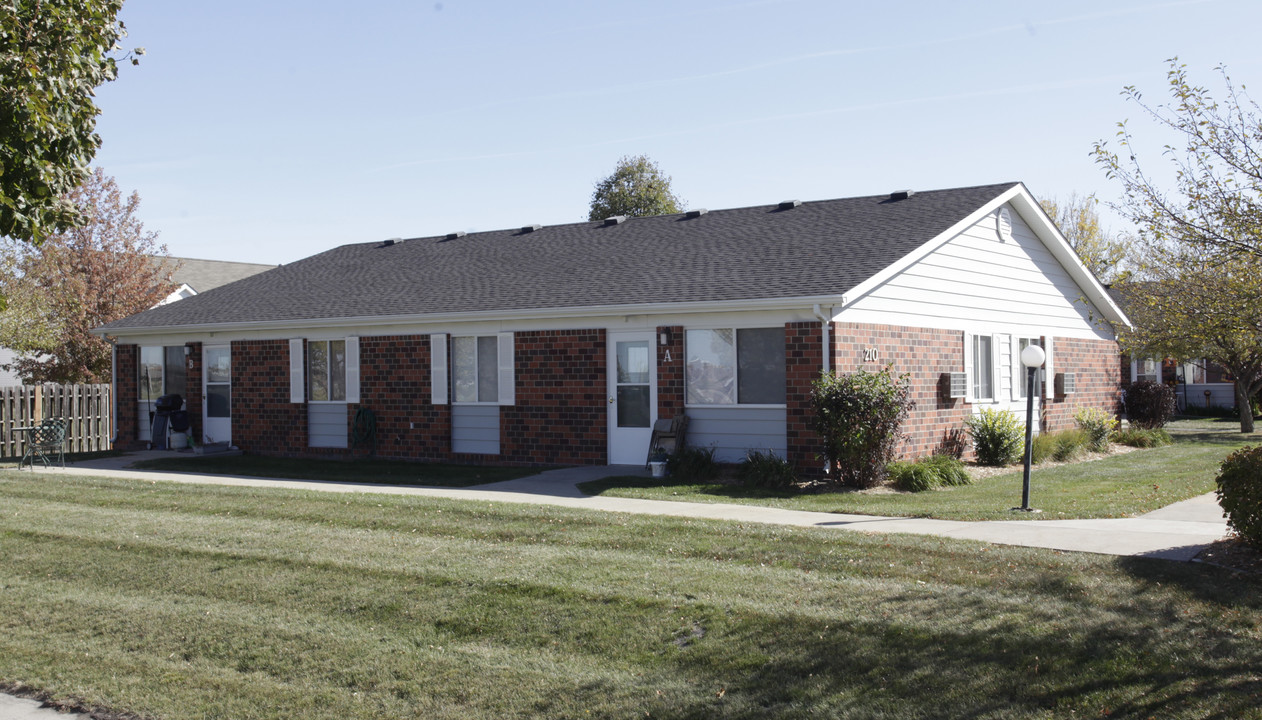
664	337
1032	358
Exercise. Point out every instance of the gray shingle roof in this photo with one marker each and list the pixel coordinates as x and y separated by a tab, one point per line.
818	248
203	275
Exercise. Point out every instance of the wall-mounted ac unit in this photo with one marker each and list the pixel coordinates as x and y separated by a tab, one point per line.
1066	384
957	385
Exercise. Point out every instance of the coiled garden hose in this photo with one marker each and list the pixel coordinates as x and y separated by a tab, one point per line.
364	429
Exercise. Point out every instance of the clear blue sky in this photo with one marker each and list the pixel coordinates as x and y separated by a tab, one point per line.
269	130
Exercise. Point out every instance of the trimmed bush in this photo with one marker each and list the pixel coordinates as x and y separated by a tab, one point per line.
859	416
912	476
766	470
692	463
1042	447
1240	493
1142	438
950	470
1068	445
1099	427
1149	404
998	436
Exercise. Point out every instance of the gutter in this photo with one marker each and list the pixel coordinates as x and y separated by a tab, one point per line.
825	321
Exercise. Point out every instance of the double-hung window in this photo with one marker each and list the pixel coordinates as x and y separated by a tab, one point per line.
1148	369
1021	376
475	369
327	370
983	367
735	366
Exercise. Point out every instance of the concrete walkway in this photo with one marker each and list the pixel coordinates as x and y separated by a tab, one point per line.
1177	532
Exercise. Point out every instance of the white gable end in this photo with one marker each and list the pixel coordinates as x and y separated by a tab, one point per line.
975	280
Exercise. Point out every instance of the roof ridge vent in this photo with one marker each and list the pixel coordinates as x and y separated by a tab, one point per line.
615	219
693	214
456	235
901	194
531	228
788	204
391	241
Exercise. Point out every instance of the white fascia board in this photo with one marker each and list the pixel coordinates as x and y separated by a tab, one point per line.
127	334
1043	227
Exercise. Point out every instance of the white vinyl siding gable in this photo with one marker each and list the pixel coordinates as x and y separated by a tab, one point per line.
973	279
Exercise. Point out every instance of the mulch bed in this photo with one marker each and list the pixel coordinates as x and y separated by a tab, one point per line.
1234	554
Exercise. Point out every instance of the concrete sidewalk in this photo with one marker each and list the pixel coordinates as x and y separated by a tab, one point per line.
1177	532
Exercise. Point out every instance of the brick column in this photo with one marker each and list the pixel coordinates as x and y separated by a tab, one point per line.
803	361
127	376
263	419
193	400
670	372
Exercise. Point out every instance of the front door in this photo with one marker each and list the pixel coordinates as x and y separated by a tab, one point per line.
632	396
217	394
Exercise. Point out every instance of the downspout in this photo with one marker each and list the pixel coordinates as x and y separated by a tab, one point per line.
113	389
825	321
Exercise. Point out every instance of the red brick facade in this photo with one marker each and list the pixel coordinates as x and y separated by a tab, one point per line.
803	363
263	419
670	372
1097	375
394	383
560	413
127	374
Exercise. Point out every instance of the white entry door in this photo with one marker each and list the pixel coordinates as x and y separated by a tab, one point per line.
632	396
217	394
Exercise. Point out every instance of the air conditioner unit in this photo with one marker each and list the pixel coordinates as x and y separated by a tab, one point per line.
1066	384
957	385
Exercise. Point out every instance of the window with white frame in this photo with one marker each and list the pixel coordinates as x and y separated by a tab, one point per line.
1022	373
475	369
730	366
326	370
152	372
1148	369
983	379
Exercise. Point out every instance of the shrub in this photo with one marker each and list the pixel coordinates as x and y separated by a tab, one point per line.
1149	404
912	476
1099	427
998	436
1142	438
766	470
1068	445
1042	447
859	416
950	470
692	463
1240	493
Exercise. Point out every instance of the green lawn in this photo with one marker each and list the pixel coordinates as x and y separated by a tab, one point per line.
185	601
1120	486
382	472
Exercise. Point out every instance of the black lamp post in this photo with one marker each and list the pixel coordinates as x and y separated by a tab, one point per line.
1032	358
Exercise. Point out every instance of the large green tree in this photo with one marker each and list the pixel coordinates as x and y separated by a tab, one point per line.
53	55
1079	221
637	188
102	270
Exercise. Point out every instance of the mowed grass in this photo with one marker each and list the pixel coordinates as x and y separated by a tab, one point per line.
185	601
359	470
1124	485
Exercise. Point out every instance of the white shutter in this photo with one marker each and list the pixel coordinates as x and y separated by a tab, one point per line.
352	369
508	392
297	381
996	365
968	368
1019	378
438	369
1049	387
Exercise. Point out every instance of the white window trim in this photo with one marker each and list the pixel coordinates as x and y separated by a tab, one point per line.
736	349
506	377
970	365
1018	368
346	380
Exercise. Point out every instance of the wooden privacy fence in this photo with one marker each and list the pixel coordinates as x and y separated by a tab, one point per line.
86	409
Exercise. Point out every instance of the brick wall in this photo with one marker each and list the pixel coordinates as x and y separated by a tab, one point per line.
803	361
394	383
924	354
263	419
670	372
1098	375
193	398
560	415
127	374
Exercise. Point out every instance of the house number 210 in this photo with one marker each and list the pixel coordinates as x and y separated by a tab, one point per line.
869	354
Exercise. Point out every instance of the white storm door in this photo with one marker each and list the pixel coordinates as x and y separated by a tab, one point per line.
217	394
632	396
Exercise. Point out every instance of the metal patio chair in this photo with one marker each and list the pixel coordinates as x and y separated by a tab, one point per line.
44	440
668	434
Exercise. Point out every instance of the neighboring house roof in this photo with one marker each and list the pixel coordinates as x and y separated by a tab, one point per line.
203	275
770	252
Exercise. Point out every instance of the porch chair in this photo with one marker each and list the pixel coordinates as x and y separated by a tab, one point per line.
46	439
668	434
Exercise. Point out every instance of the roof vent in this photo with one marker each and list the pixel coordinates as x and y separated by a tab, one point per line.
788	204
616	220
901	194
456	234
391	241
530	228
693	214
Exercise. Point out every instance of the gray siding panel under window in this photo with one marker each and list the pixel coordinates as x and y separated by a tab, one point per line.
734	431
475	429
326	425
